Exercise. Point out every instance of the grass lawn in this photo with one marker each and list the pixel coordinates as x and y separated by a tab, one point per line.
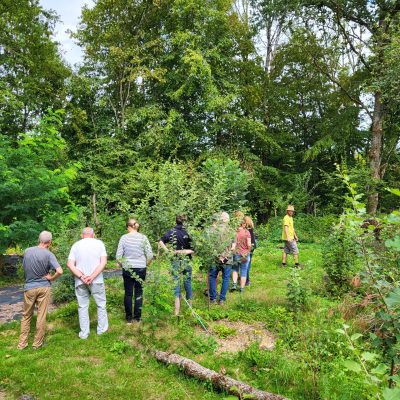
119	365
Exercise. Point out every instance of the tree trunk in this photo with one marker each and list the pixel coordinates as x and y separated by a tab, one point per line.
219	381
375	153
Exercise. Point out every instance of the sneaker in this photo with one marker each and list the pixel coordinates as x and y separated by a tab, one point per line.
299	266
221	302
284	265
19	347
241	290
213	302
233	288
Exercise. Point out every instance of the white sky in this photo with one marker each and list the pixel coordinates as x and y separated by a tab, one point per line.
69	12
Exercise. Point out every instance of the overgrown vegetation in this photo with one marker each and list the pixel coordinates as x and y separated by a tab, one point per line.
177	108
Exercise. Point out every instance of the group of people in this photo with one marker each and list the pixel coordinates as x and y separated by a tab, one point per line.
230	252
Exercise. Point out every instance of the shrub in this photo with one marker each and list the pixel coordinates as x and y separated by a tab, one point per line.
297	296
339	261
64	289
310	229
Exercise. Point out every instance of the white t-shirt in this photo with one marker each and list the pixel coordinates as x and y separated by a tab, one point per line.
86	253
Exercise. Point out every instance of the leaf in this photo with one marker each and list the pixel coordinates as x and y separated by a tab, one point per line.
367	356
381	369
391	394
355	336
393	243
352	366
393	299
394	191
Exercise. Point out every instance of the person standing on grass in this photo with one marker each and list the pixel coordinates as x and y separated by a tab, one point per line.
134	254
242	256
181	244
221	238
37	263
289	237
250	228
87	260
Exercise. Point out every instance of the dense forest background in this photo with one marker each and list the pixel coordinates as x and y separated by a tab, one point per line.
196	106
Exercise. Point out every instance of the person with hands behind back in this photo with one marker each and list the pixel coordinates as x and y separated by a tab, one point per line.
87	260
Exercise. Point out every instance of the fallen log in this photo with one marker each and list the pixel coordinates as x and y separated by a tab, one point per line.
219	381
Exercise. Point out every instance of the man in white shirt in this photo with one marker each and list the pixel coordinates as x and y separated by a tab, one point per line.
87	260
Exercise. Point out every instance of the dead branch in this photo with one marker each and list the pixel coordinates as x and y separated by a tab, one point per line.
218	380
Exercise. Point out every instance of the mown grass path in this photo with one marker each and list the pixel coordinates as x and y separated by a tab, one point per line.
117	364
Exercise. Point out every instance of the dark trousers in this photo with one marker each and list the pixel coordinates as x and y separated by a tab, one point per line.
133	279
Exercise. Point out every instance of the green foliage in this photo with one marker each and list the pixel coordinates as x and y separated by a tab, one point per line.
36	173
223	331
63	290
201	344
120	347
32	73
340	260
310	229
297	295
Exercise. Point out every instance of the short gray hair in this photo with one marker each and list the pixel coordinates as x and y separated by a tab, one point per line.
224	217
45	237
87	231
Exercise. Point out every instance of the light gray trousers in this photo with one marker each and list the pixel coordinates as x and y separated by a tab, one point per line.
83	296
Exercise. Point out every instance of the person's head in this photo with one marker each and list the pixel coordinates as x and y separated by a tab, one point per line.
238	215
132	225
45	238
224	217
87	232
249	222
290	210
180	219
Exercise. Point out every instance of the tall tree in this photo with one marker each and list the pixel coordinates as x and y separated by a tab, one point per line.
366	28
32	73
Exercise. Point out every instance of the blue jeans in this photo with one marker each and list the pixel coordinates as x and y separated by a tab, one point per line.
182	268
248	269
239	265
226	274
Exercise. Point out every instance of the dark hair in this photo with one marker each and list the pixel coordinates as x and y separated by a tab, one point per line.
180	219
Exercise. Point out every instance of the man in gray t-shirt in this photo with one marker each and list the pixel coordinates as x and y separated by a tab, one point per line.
37	263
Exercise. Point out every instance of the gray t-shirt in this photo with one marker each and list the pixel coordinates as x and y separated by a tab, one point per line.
37	263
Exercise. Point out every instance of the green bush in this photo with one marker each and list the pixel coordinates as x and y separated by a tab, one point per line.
64	288
340	265
297	295
310	229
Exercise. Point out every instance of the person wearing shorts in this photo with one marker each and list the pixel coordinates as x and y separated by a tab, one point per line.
289	237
